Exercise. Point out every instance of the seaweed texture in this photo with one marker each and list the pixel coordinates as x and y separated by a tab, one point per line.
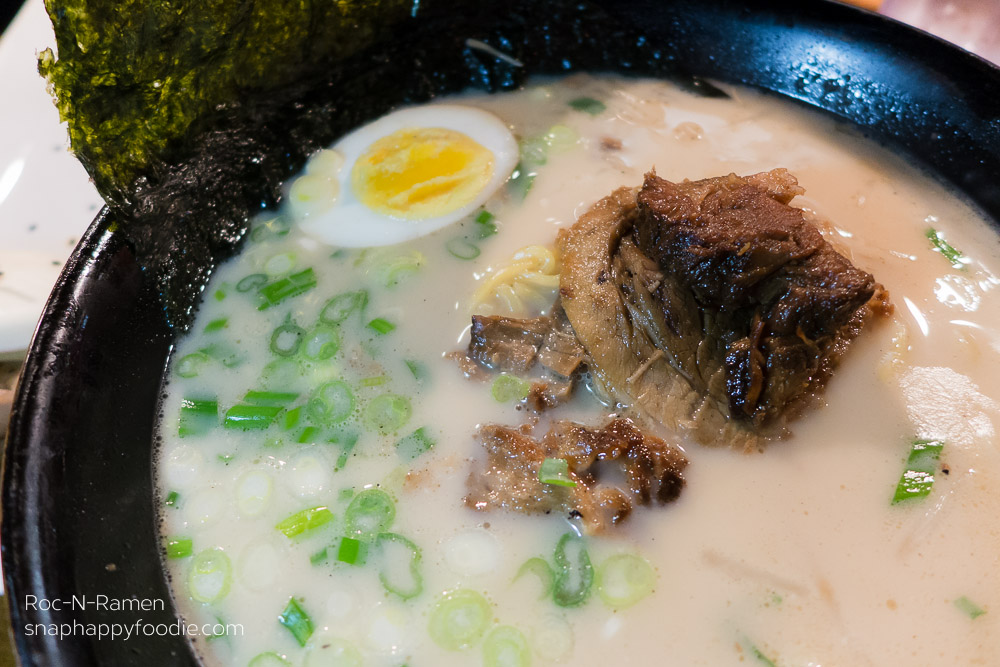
184	168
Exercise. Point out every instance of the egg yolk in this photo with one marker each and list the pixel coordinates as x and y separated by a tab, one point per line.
419	173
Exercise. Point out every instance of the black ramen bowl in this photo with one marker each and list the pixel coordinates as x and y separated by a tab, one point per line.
79	520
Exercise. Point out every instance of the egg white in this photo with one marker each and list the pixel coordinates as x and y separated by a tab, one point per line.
349	223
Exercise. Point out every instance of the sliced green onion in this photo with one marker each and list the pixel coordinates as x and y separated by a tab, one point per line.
398	268
387	413
274	227
462	249
521	180
415	444
918	478
250	417
309	434
506	646
210	576
391	573
625	579
286	288
459	619
561	137
269	659
375	381
507	388
217	325
370	512
282	373
191	365
179	547
331	403
320	556
757	653
322	343
588	105
220	294
574	574
286	339
352	551
417	369
555	472
297	621
534	152
952	254
341	306
969	608
251	282
291	418
226	354
172	498
484	220
346	439
345	495
381	326
198	416
541	569
305	520
279	264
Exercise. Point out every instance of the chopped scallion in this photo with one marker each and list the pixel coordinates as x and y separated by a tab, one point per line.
588	105
381	326
331	403
371	512
322	343
462	249
969	608
198	416
305	520
404	584
251	282
574	574
297	621
191	365
624	579
352	551
950	252
417	369
387	413
210	576
172	499
555	472
220	294
251	417
918	478
459	619
341	306
485	223
320	556
415	444
286	339
179	547
541	569
521	180
507	388
286	288
217	325
375	381
506	646
269	659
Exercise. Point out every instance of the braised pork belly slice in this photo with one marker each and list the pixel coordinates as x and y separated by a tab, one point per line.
650	471
712	305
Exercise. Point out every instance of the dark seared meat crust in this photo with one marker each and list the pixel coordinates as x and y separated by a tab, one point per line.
777	290
712	305
651	470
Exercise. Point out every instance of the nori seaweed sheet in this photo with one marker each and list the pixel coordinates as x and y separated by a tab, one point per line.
189	206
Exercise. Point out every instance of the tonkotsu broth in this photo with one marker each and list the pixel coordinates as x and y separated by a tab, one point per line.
795	556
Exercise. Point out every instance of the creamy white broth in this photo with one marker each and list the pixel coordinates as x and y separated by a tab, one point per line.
796	551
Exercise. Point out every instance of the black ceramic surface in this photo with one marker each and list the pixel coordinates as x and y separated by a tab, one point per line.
78	515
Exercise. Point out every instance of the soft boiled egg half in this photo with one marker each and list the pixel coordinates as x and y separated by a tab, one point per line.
405	175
